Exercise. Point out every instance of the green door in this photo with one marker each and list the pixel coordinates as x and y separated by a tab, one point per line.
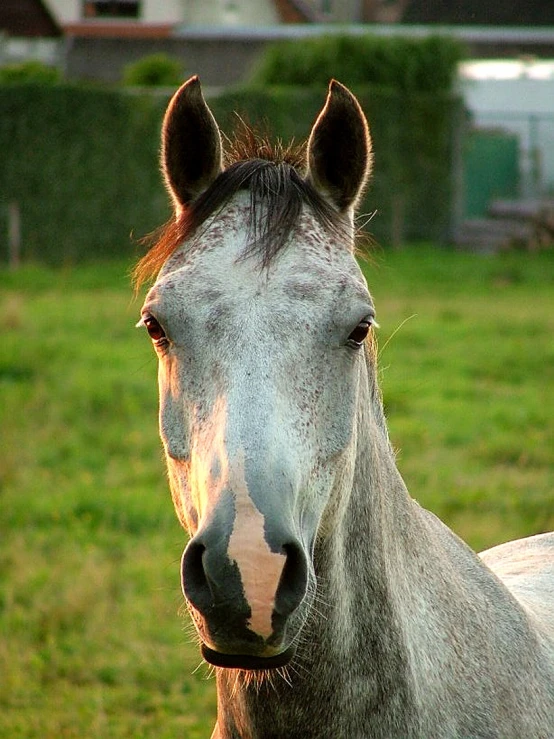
491	169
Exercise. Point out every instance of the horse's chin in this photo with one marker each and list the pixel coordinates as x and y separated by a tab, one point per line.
247	661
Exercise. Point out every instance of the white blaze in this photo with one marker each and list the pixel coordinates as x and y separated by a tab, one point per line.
260	568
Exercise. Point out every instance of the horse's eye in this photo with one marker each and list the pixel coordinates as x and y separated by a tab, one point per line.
155	331
357	337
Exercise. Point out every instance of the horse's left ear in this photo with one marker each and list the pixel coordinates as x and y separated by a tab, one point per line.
191	145
339	149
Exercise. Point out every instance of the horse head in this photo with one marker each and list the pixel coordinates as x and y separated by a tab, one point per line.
262	322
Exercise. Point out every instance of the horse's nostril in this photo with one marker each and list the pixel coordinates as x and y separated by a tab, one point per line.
293	582
196	588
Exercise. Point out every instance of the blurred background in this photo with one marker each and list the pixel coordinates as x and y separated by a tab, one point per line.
460	99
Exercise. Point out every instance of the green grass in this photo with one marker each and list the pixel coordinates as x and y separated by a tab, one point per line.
92	644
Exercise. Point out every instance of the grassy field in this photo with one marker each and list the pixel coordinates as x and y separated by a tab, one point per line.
92	644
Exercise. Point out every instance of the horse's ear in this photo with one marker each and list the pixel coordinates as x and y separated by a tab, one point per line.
339	149
191	145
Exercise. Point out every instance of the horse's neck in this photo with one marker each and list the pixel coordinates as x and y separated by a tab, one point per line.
425	615
398	596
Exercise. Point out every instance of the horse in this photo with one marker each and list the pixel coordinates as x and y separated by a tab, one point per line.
330	604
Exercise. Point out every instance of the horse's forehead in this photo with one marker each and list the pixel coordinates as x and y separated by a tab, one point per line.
218	261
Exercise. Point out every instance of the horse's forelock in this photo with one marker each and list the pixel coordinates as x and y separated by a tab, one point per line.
250	143
273	174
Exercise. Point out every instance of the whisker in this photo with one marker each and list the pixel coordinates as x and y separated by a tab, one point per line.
284	675
201	664
396	330
210	673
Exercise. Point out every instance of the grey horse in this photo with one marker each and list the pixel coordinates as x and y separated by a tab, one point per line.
330	602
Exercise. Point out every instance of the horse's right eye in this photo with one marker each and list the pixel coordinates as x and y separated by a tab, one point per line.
155	331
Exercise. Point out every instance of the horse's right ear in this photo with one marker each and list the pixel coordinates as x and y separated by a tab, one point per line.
191	145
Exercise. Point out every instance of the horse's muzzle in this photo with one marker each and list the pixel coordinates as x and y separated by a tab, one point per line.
243	613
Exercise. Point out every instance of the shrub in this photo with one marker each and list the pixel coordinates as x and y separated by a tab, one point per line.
156	70
406	87
30	71
403	64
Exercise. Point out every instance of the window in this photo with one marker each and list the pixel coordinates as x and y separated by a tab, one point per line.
111	8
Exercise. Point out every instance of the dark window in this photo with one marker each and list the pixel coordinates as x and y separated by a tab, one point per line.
111	8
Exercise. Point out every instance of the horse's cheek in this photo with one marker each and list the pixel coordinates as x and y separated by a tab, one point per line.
337	406
174	428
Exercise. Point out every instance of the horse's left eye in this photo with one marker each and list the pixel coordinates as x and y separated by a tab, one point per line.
357	337
155	331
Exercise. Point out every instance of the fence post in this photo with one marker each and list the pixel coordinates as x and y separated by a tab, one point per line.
458	205
14	235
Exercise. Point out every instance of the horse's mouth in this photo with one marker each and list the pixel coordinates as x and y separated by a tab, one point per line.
247	661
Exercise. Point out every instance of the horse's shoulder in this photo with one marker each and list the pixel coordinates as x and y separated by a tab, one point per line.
526	567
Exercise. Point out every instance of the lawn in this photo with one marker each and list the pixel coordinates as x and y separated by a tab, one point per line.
92	640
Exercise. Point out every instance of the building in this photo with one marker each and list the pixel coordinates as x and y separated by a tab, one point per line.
28	30
96	13
76	16
221	40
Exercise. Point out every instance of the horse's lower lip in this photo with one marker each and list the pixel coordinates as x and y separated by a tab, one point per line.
247	661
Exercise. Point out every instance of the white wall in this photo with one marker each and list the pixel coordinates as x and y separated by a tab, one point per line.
196	12
231	12
65	11
168	11
517	96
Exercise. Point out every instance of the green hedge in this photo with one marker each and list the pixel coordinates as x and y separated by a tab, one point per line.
403	64
29	72
83	163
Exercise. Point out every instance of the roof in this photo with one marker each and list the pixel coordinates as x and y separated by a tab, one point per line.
24	18
118	29
295	11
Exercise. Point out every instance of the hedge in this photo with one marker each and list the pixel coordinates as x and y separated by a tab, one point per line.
82	163
409	65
